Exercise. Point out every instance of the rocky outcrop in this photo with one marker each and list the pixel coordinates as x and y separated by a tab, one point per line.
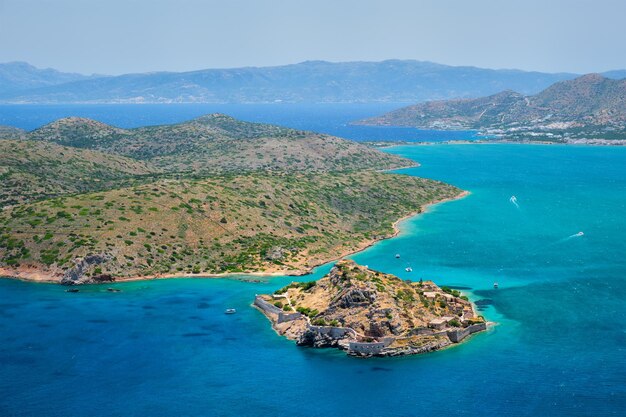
368	313
325	336
78	274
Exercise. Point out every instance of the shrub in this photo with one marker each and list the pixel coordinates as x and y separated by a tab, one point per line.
307	311
307	285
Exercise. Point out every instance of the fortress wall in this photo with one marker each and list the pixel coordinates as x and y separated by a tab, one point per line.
456	336
365	348
284	317
266	307
333	332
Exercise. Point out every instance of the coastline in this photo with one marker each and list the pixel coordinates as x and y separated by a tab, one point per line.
386	145
30	274
349	299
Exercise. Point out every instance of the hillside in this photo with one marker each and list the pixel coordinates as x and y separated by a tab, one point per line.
218	143
589	106
243	223
10	132
369	313
32	170
312	81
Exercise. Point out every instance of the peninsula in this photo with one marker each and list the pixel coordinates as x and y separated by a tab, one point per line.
85	202
369	313
588	109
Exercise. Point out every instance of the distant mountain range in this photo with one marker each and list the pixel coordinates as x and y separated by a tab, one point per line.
18	77
312	81
590	106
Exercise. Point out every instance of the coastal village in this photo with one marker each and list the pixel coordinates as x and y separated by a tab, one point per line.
369	313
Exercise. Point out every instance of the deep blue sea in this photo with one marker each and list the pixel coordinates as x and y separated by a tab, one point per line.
166	348
333	119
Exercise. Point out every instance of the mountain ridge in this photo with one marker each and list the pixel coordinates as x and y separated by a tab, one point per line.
18	76
218	143
308	81
76	154
590	105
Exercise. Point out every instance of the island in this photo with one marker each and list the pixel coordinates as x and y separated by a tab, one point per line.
370	313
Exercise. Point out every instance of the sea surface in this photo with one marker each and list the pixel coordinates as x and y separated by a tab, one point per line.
166	348
333	119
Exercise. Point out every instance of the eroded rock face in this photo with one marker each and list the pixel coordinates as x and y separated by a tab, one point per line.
77	274
357	297
103	278
316	339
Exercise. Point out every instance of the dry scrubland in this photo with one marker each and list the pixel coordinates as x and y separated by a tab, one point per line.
86	202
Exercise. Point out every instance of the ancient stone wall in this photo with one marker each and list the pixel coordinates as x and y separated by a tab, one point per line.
283	317
334	332
456	336
267	307
365	348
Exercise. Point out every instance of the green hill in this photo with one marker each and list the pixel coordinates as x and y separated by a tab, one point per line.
218	143
33	170
9	132
590	106
208	196
251	223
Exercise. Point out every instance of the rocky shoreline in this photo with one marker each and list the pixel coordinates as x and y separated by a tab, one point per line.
367	313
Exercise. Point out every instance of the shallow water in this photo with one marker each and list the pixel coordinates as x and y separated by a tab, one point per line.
166	348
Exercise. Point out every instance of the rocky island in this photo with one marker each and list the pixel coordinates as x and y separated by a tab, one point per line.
370	313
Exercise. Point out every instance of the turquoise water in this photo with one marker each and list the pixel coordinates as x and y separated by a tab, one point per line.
165	348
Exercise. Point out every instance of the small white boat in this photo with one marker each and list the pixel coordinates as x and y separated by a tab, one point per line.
495	285
230	311
397	255
408	269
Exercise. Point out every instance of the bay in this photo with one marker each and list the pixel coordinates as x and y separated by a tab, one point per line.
166	347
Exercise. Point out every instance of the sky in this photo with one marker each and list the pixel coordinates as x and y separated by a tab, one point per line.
122	36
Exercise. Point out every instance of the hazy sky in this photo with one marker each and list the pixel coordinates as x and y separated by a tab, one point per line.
119	36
